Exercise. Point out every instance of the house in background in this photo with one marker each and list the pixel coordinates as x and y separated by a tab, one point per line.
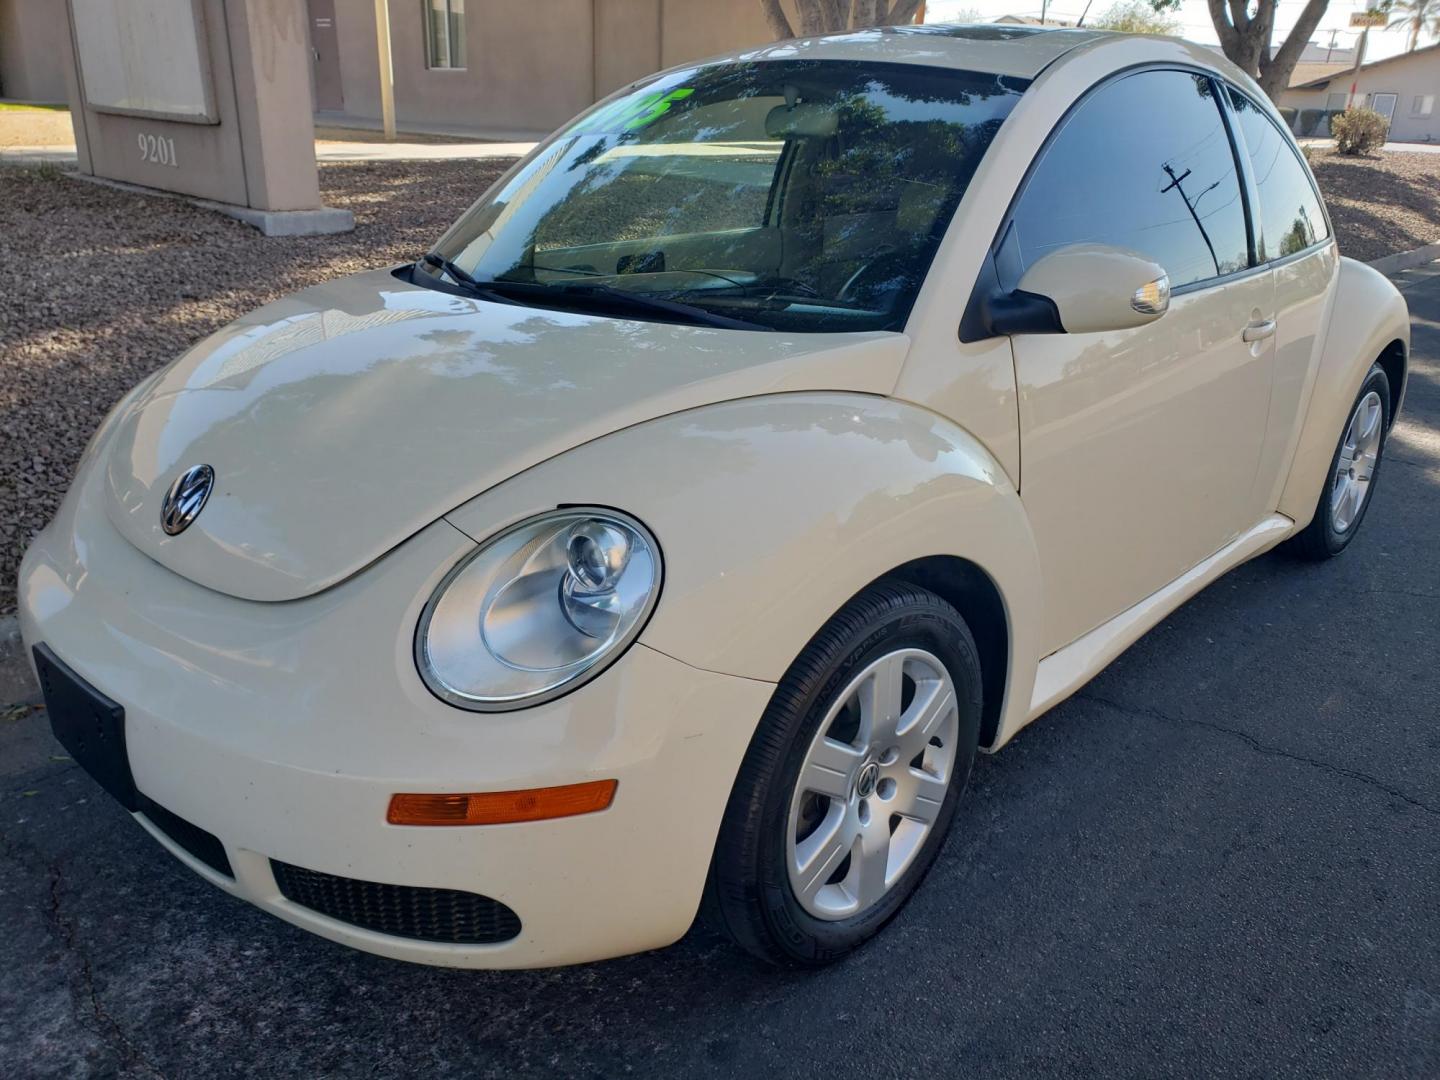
501	67
1315	53
1404	88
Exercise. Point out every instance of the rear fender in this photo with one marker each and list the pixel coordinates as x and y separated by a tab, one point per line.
1369	314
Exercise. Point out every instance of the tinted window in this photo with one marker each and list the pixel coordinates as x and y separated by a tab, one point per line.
791	194
1290	215
1144	163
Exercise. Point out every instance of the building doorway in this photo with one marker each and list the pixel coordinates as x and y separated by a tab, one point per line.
1384	104
325	57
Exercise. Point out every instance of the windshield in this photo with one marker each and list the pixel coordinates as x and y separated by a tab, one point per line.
795	195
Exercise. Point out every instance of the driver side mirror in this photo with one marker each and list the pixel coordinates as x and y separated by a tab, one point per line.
1083	289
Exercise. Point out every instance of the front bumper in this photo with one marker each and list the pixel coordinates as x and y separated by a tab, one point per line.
284	728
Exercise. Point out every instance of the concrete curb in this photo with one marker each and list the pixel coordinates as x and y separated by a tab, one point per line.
1407	260
33	156
17	680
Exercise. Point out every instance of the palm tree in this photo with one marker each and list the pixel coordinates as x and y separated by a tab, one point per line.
1419	15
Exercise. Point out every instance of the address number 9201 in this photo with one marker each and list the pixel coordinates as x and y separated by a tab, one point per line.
157	150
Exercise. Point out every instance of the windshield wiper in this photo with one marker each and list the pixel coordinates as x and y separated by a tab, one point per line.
606	296
442	263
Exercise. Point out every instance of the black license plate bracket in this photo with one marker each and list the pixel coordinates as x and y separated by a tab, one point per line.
88	725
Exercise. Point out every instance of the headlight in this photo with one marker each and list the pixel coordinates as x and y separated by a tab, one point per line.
539	609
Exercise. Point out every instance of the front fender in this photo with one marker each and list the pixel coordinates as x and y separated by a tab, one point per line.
1369	314
773	511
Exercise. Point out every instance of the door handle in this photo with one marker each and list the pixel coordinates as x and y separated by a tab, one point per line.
1259	331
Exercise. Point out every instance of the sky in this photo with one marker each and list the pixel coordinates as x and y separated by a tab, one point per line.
1194	17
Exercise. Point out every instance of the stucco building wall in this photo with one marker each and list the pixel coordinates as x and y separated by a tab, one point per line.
31	59
531	66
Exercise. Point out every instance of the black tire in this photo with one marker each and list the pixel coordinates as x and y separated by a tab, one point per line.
748	896
1320	539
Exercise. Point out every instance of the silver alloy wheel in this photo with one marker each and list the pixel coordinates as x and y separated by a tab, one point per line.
872	784
1355	468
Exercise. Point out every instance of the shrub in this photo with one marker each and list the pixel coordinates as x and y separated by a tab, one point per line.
1288	115
1358	131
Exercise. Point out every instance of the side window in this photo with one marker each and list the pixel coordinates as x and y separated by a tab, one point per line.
1290	218
1144	163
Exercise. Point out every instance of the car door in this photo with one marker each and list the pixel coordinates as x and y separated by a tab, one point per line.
1292	235
1139	447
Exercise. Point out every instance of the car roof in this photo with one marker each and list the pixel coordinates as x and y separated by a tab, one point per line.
1000	49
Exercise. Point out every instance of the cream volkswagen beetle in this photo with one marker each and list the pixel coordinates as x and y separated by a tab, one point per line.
670	537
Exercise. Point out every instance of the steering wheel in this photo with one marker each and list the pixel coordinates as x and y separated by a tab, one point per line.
873	272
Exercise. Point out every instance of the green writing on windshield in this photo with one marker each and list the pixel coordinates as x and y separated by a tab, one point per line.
632	114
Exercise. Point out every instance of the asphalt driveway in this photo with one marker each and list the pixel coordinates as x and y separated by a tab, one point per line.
1222	858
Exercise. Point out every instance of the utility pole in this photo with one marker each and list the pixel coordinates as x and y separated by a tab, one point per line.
1175	183
387	68
1355	71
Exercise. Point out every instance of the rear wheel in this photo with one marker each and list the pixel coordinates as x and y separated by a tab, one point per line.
1354	470
852	780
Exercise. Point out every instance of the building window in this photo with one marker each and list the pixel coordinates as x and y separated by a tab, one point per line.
445	33
1423	105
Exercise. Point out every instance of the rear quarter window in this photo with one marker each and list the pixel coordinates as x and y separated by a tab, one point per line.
1291	218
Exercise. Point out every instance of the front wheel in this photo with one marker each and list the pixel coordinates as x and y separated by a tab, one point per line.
851	781
1354	469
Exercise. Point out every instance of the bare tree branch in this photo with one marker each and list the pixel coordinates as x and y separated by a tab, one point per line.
903	12
812	16
865	13
775	17
1239	15
1223	26
1275	71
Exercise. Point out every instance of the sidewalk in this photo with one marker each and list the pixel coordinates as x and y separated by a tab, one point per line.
337	150
1391	147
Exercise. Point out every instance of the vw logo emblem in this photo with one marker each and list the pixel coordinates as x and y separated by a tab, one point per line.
866	782
186	498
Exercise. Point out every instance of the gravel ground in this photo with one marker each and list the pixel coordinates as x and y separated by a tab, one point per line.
99	286
1382	204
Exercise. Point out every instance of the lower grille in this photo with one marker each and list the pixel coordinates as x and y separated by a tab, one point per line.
203	845
446	915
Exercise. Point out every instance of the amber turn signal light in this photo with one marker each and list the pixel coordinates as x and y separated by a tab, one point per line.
501	807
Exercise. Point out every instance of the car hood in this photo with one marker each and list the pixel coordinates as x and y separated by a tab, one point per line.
344	418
